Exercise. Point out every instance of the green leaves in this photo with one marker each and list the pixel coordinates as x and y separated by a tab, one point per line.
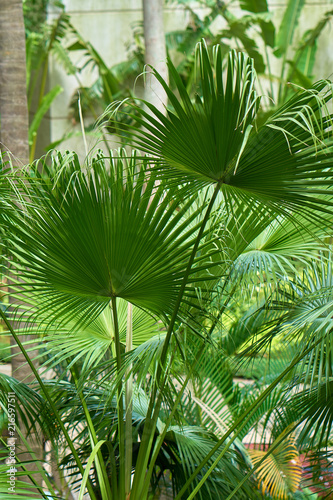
109	232
95	340
288	25
205	137
267	27
42	109
283	164
88	239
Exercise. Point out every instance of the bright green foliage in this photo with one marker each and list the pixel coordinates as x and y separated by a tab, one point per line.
215	139
104	233
219	207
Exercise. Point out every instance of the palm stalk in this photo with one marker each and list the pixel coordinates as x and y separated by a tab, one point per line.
154	406
120	405
128	403
161	436
100	465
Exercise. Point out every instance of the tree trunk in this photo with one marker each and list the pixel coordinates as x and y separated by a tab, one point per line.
13	95
14	127
155	52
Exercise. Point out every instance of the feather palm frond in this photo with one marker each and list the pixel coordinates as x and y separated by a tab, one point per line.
280	471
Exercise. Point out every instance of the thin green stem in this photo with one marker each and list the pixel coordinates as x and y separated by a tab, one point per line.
270	76
237	428
91	107
51	403
128	403
150	423
161	437
100	466
282	82
120	405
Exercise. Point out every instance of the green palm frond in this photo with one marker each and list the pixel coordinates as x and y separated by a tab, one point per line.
218	124
18	488
314	409
92	342
306	302
280	472
31	407
284	164
194	443
283	247
262	421
109	232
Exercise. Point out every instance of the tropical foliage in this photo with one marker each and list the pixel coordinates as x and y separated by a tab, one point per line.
279	58
134	270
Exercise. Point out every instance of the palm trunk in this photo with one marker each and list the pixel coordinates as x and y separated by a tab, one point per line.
14	145
155	51
13	95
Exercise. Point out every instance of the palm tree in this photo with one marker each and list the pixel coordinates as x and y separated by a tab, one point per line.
14	147
166	233
13	95
155	51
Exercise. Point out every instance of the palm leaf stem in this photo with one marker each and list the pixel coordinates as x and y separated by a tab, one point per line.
91	108
167	423
238	426
90	462
152	413
51	403
269	71
120	405
41	95
161	437
113	466
100	465
128	402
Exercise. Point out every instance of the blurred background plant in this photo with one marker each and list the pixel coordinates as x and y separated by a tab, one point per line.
284	57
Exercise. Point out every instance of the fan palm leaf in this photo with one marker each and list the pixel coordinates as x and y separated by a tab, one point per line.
109	232
314	409
283	247
213	140
91	343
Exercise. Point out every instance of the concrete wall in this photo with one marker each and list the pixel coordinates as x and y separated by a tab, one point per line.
108	25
